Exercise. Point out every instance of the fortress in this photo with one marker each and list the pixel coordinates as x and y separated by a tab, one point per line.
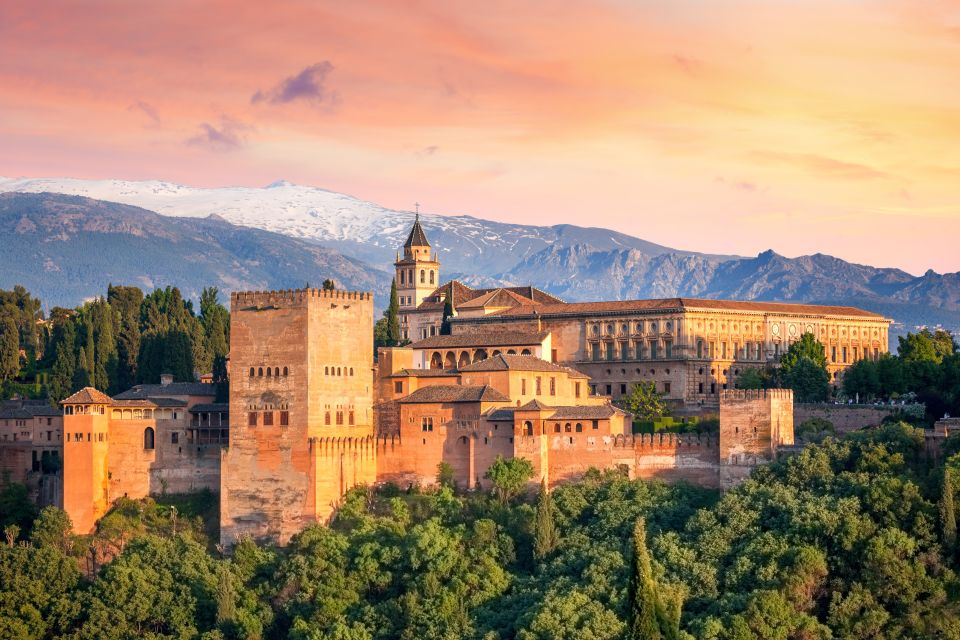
522	374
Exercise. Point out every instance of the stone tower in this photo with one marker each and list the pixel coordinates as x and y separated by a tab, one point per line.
301	395
418	271
86	484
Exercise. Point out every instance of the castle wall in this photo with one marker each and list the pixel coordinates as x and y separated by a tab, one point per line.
85	472
753	425
845	418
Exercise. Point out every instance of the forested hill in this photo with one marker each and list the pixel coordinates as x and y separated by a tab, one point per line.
65	249
848	539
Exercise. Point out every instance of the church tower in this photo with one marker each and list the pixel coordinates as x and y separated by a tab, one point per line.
418	271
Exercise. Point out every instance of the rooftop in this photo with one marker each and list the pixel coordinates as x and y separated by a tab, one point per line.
681	304
503	362
88	395
485	339
212	407
455	393
145	391
417	237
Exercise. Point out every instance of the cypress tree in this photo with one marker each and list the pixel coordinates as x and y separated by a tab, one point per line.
948	519
81	375
545	535
643	623
88	343
9	349
393	320
61	378
447	312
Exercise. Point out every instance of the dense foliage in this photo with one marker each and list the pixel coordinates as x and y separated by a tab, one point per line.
111	342
852	538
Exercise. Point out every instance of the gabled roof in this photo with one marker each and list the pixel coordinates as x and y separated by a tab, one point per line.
88	395
497	298
534	405
14	413
499	414
482	339
463	294
425	373
149	403
454	393
503	362
145	391
417	237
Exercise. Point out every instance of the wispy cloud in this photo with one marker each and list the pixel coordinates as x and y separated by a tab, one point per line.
821	165
309	85
147	109
231	134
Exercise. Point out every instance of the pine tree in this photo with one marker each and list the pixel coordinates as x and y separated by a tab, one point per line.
81	375
948	519
545	534
89	345
329	285
226	597
61	378
9	349
643	597
393	319
126	302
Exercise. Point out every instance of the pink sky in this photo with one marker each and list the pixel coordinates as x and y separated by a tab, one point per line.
722	126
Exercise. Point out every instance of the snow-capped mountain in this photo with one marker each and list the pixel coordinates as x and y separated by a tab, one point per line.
355	227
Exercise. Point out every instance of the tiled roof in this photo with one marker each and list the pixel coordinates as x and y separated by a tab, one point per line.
504	414
417	237
149	403
680	304
484	339
534	405
32	408
42	410
88	395
463	294
520	363
585	412
213	407
145	391
455	393
425	373
497	298
14	413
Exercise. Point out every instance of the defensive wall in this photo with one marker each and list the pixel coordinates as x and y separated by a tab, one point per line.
844	417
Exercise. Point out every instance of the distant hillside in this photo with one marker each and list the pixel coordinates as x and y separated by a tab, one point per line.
67	248
576	263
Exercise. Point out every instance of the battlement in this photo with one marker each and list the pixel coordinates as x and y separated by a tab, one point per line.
746	395
295	296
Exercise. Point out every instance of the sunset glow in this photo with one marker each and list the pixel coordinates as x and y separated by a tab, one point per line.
724	127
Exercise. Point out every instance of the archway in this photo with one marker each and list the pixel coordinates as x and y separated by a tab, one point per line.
436	360
450	362
479	354
464	360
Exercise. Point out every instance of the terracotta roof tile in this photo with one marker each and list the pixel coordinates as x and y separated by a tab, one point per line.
520	363
455	393
144	391
585	412
484	339
88	395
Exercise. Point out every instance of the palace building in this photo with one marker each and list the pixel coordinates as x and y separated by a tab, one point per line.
690	349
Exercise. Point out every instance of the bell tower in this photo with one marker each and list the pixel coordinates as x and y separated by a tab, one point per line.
417	270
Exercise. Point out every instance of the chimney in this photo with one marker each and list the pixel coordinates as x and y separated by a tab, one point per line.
165	379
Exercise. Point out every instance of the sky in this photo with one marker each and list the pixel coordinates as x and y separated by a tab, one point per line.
718	126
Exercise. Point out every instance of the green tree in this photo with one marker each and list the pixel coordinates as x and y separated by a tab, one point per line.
216	323
509	477
81	374
393	318
862	380
810	382
445	475
329	285
448	312
644	402
806	347
642	597
126	302
221	379
545	534
948	518
61	377
752	378
9	349
925	346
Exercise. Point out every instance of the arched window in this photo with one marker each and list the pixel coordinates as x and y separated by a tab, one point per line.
436	360
525	352
269	372
276	372
260	372
351	371
326	371
148	438
252	372
423	276
286	372
579	428
431	277
556	428
338	371
566	427
402	273
528	428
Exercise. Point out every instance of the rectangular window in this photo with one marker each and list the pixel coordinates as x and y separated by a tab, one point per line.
623	388
610	350
844	350
666	387
699	387
596	424
624	350
699	348
553	355
609	390
284	418
713	388
712	353
350	416
398	387
174	437
538	386
268	418
326	418
833	354
653	350
856	353
252	419
736	350
595	351
668	349
576	389
553	386
723	349
759	351
523	386
339	417
426	423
